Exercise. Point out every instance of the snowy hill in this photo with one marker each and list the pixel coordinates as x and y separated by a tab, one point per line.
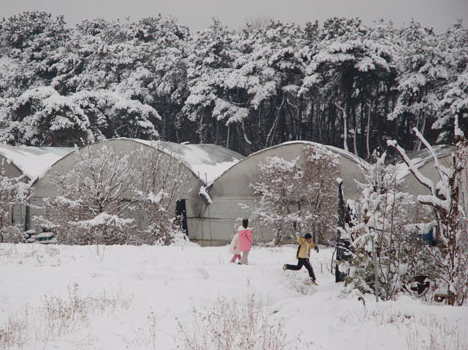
148	297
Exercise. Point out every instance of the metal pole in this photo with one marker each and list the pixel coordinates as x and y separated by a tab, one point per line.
209	213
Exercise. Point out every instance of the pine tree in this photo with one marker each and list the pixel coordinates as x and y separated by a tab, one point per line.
347	68
422	73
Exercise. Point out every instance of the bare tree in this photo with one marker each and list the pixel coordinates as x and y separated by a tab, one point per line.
117	198
97	184
298	196
161	180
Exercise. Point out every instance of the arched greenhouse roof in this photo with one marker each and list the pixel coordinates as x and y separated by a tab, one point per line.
205	161
350	171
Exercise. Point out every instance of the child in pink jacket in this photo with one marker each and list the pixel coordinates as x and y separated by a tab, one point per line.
245	241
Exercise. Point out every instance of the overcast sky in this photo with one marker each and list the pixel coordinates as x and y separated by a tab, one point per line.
198	14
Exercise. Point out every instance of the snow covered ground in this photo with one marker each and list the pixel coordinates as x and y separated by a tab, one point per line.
127	297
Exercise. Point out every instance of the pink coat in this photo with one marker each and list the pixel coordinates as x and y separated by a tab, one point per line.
245	239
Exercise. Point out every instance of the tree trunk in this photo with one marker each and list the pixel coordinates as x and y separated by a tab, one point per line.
345	126
269	140
368	131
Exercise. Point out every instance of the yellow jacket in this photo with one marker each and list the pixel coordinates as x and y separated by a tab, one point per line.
305	247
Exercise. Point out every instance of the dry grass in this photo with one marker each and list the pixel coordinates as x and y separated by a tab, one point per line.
231	326
440	336
57	317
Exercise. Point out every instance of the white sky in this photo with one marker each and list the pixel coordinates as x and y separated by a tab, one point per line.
197	14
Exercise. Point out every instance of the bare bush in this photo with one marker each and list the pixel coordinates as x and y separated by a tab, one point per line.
12	234
94	186
231	326
14	334
161	181
441	336
57	317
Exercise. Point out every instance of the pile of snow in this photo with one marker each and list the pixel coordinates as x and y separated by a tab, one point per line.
128	297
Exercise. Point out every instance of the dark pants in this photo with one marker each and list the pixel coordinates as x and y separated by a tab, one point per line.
302	262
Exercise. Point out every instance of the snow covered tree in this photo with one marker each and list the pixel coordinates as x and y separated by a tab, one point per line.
422	74
268	73
454	103
387	255
454	107
112	115
162	46
34	42
110	197
161	180
42	117
85	92
140	61
14	192
90	199
345	73
246	84
105	52
298	196
209	65
450	215
340	83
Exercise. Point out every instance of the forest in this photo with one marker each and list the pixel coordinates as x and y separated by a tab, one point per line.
340	82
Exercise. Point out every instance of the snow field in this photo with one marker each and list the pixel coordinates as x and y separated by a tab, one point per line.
127	297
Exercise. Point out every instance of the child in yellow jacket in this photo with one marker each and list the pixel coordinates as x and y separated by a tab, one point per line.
303	255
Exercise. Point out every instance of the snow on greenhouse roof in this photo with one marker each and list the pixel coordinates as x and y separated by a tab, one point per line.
33	161
346	154
207	161
342	152
423	156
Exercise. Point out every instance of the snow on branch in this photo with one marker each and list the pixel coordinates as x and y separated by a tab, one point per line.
103	219
420	177
434	199
437	165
